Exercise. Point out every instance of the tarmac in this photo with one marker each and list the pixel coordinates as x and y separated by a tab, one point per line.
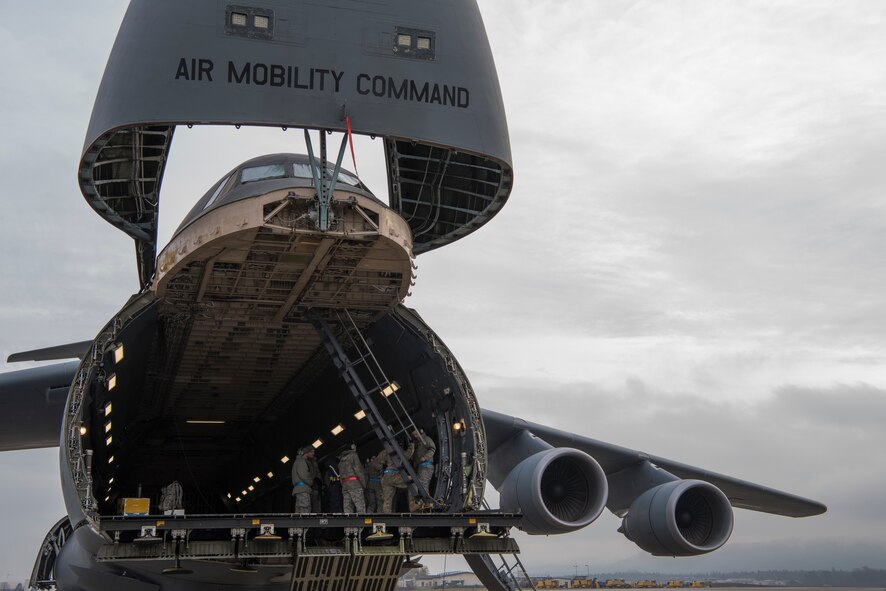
716	587
784	587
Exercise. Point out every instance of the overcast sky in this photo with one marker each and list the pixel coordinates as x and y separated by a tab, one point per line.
691	261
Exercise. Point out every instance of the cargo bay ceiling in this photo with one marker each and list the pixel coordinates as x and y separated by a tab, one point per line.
411	74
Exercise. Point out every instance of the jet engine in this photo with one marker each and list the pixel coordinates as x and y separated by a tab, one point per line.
557	490
679	518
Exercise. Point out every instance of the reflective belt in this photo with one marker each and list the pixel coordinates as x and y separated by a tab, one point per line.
350	479
426	464
375	479
300	484
390	471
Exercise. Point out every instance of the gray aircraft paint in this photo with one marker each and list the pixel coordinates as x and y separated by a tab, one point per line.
341	51
315	67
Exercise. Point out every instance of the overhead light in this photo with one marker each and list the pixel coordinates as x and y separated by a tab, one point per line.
107	498
256	479
238	499
360	415
229	495
284	459
108	427
108	409
337	429
204	422
244	492
261	22
112	382
456	426
270	474
118	354
83	429
111	481
251	488
390	388
111	460
317	443
238	19
109	440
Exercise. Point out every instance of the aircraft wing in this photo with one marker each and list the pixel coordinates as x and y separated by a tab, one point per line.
68	351
32	405
32	400
501	428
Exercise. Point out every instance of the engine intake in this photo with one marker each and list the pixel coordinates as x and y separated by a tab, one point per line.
557	491
680	518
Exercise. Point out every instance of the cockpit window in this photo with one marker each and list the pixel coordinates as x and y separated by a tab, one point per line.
303	171
344	177
217	192
260	173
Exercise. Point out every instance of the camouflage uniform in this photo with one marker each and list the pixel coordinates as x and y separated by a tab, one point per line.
353	480
302	482
391	479
374	466
425	448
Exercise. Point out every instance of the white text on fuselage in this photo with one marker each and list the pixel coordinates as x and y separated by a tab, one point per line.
324	80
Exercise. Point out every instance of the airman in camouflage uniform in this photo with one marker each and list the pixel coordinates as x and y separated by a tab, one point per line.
303	480
374	467
391	479
353	480
425	448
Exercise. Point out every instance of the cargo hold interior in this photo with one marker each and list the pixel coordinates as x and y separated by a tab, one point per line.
226	417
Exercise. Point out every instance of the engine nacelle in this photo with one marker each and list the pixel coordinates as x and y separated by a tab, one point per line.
557	490
680	518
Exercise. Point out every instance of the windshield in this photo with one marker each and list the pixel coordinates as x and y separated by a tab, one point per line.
303	171
298	170
217	192
260	173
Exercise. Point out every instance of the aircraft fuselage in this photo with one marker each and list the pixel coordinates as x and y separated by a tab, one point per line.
219	372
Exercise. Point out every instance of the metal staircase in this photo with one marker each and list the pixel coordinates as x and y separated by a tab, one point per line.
512	575
374	392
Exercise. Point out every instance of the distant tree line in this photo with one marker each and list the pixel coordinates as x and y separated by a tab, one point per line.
859	577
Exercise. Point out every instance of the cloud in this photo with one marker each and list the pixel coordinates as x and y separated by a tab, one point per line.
689	263
32	503
792	440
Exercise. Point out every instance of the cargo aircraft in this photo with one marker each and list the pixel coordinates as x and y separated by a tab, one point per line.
274	320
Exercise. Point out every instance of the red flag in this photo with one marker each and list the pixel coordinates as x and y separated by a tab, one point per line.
351	142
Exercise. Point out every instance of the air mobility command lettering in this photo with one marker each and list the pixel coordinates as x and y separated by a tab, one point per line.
322	80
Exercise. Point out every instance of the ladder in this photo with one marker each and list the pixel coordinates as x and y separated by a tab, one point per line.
365	378
511	575
514	576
